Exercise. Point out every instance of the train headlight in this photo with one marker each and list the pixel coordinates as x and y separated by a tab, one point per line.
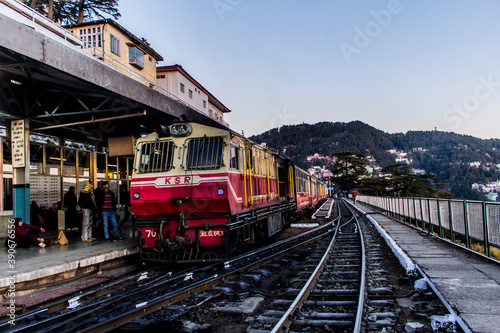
180	129
136	196
179	202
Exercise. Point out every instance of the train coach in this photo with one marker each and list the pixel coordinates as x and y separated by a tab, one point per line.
202	192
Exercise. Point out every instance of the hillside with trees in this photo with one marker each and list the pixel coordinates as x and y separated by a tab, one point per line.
457	160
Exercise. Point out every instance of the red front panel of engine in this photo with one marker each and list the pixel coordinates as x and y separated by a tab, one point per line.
207	237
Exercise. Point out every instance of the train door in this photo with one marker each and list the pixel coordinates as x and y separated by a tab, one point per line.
247	175
291	182
282	179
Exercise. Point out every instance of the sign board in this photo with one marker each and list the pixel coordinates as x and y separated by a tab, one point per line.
17	136
122	146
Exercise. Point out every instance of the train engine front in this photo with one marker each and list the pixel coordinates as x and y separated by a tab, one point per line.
181	193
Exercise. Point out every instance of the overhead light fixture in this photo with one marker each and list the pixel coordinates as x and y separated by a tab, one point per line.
16	82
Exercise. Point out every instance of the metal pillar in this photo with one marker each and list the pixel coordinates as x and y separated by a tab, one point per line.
487	250
466	222
450	209
21	169
439	218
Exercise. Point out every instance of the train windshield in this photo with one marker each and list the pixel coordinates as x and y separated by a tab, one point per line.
204	153
155	156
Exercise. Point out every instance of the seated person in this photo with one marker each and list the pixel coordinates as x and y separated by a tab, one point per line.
25	239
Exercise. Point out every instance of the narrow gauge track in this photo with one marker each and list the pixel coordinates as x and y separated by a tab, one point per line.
120	307
338	269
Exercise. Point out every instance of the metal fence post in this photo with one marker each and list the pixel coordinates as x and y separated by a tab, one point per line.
439	218
391	210
466	221
452	233
399	209
421	214
429	214
404	215
487	250
414	212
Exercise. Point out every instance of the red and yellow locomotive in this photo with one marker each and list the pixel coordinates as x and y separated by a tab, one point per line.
203	192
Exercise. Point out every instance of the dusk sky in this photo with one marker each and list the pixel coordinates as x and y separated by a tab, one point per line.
395	65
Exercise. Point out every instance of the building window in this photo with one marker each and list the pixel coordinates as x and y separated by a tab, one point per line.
91	37
182	88
190	93
205	104
136	57
115	45
160	76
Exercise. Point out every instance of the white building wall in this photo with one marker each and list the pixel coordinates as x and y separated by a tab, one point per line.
172	83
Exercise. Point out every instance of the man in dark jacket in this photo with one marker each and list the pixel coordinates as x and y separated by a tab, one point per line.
106	204
71	216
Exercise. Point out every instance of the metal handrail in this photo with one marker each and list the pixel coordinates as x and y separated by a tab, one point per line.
451	218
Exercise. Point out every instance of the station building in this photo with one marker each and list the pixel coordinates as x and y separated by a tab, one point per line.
178	82
81	122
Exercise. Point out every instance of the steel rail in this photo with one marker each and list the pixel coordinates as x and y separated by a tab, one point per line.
285	321
313	217
447	305
362	285
82	313
167	299
283	325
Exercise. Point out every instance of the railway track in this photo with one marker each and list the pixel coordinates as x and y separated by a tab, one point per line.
112	309
329	291
302	286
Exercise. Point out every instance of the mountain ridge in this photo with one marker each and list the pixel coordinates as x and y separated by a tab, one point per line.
451	156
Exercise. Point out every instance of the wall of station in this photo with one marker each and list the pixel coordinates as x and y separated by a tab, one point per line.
54	169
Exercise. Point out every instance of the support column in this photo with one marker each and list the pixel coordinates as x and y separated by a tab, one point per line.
21	169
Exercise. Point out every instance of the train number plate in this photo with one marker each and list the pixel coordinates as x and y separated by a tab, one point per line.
150	236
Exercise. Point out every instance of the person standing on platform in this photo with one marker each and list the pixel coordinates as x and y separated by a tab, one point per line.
107	207
25	239
70	203
354	195
86	203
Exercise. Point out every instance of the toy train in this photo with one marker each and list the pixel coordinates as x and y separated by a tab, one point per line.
203	192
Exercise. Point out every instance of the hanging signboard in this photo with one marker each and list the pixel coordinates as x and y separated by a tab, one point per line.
17	136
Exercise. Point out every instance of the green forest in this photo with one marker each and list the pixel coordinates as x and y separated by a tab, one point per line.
445	154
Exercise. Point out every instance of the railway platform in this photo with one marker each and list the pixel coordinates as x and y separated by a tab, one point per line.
470	283
38	265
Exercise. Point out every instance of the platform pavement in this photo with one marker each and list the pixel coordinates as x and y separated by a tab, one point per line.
34	262
470	284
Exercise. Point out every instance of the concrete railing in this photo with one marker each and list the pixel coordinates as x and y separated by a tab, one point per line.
20	12
463	220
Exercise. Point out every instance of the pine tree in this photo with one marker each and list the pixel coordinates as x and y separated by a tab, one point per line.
348	169
75	11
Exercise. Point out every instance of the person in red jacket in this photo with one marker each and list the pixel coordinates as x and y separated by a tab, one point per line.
25	239
354	195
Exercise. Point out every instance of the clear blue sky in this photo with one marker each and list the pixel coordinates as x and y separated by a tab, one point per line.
396	65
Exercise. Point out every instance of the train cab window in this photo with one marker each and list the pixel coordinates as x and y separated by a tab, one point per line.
234	158
155	156
204	153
